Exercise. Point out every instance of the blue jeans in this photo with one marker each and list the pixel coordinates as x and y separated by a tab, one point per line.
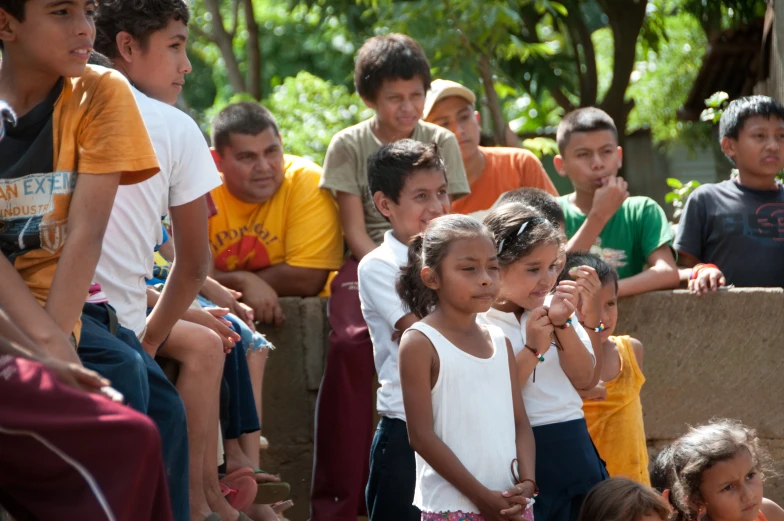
390	489
121	358
239	405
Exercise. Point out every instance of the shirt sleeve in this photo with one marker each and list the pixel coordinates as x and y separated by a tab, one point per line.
314	238
656	229
457	183
340	166
112	136
689	238
533	174
194	172
377	290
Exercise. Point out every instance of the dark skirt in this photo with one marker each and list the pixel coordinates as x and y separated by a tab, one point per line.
567	467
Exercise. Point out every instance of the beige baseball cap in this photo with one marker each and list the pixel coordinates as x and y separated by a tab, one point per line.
440	89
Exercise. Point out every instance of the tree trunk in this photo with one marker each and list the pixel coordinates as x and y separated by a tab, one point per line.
626	18
254	52
493	103
224	40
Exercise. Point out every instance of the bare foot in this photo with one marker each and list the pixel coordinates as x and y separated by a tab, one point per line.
236	459
219	505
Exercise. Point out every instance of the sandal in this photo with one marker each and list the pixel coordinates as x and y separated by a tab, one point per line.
240	492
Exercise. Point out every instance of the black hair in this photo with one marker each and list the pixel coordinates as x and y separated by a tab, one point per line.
139	18
741	109
507	220
246	117
587	119
621	499
536	198
429	249
390	166
661	473
97	58
605	272
389	57
700	449
15	8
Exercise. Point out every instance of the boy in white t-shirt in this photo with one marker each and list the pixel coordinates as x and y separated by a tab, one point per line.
408	183
147	45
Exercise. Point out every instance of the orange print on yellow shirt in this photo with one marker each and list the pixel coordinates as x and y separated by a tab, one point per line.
247	254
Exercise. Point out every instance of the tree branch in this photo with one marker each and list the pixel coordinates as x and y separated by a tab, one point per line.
224	41
254	52
563	101
236	15
581	38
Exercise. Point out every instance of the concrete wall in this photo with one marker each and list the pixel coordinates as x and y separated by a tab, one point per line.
719	355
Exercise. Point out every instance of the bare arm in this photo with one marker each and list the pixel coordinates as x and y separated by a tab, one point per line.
662	274
352	217
190	268
586	235
88	216
639	352
256	293
576	361
606	201
771	510
524	435
417	359
291	281
29	316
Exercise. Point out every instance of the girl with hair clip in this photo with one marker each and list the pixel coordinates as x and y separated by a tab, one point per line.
464	411
553	351
621	499
718	474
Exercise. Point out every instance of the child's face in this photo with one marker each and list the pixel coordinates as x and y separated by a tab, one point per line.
590	159
528	281
422	199
399	105
159	68
458	116
468	277
56	37
732	489
759	149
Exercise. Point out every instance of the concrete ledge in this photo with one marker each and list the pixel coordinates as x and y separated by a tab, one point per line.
712	356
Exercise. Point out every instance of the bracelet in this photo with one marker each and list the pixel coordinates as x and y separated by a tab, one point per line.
599	329
536	353
519	481
565	325
699	267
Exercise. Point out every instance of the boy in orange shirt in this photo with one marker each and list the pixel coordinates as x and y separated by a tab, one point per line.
491	171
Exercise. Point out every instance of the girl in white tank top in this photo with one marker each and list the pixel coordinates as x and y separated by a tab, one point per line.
464	410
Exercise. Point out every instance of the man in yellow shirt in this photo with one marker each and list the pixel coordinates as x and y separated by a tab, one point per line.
275	232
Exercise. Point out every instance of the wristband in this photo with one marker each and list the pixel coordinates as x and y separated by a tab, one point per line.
599	329
518	481
695	271
565	325
536	353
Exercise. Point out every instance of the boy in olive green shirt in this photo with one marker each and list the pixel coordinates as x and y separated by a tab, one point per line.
392	75
626	232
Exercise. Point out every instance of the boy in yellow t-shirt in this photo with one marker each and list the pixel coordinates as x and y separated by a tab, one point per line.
79	135
276	233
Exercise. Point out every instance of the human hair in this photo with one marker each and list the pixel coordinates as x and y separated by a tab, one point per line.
389	57
661	473
246	117
605	272
429	249
536	198
139	18
390	166
15	8
700	449
621	499
741	109
507	220
587	119
97	58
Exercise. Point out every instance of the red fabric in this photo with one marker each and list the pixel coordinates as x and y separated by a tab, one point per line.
120	448
344	411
